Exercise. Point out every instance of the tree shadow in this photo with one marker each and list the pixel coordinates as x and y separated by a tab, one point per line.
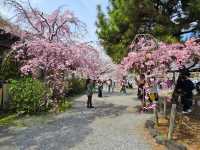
62	133
106	94
138	109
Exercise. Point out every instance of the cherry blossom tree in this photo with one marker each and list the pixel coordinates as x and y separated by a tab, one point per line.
161	59
56	26
55	59
49	47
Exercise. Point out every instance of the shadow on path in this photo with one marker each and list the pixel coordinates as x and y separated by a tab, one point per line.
106	94
67	130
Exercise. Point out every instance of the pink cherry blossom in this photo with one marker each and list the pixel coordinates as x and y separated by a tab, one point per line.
160	59
49	47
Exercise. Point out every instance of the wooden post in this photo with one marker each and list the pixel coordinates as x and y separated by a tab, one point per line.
165	108
172	121
156	114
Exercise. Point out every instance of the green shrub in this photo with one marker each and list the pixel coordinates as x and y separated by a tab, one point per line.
9	69
27	95
76	86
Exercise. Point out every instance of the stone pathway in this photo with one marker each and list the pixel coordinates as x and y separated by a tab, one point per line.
113	125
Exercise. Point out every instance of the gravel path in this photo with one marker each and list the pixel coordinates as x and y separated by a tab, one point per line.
113	125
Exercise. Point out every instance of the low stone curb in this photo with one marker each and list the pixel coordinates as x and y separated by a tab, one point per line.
170	144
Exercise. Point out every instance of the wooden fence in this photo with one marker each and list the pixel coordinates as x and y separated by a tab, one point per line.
161	108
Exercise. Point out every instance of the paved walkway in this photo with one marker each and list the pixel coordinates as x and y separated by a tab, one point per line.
113	125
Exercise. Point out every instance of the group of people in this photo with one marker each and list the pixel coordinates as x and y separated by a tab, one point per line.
125	83
90	88
110	86
142	90
148	88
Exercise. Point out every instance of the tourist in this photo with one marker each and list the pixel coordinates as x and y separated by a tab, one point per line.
90	89
123	86
109	82
130	84
141	90
185	87
113	85
100	88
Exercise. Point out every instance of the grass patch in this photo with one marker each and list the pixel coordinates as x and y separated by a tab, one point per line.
11	120
64	106
7	119
21	119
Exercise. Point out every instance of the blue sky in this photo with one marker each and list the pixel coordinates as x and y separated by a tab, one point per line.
85	10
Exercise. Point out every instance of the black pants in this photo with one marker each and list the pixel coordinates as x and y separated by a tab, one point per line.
187	103
89	101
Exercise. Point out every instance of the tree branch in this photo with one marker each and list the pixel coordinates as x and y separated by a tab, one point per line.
46	21
21	9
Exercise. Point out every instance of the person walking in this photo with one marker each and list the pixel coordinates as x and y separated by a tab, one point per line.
100	88
90	89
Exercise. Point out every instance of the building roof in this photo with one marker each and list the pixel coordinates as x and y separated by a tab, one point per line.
7	39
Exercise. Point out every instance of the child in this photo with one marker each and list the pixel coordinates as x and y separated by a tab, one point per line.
153	90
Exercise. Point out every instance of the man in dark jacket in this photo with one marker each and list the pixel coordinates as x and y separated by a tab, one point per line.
185	86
